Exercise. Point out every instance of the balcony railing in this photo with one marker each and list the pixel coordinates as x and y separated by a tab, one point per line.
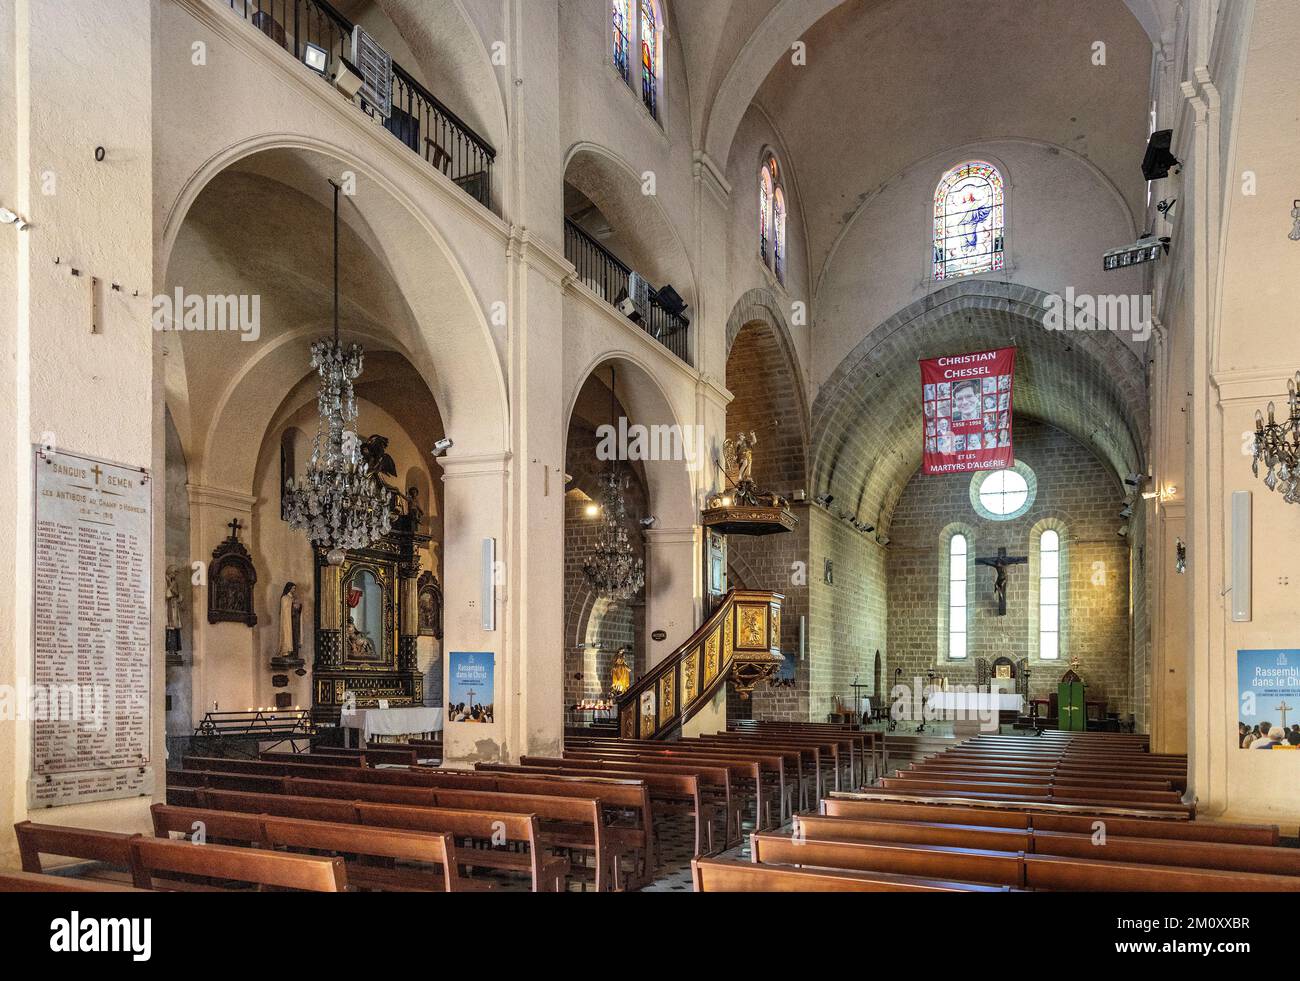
418	119
602	273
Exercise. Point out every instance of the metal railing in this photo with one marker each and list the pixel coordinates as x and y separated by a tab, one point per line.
602	273
418	119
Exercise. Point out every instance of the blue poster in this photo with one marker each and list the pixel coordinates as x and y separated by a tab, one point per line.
469	686
1268	703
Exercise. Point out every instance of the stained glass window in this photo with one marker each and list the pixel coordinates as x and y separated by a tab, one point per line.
765	210
957	598
650	57
968	221
1049	595
620	37
778	234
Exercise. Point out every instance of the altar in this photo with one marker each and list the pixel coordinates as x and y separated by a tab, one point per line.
391	722
983	702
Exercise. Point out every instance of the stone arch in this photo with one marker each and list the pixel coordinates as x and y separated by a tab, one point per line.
1090	385
380	223
655	246
762	368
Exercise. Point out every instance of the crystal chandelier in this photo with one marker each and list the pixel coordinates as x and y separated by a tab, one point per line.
340	503
1277	444
613	568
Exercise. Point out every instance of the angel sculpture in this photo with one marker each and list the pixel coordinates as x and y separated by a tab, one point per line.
738	465
374	451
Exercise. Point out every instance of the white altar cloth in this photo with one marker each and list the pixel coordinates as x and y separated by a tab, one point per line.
393	721
964	701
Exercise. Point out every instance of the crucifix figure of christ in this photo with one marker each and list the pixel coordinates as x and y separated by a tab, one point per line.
1000	562
1284	708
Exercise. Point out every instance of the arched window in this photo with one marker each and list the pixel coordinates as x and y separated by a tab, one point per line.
651	56
778	234
620	37
969	221
766	185
957	597
771	217
1049	595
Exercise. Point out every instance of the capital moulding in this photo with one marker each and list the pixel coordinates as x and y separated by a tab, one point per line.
706	166
536	252
474	465
1252	384
204	494
217	17
670	536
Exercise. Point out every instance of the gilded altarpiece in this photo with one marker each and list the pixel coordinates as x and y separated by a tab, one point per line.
367	625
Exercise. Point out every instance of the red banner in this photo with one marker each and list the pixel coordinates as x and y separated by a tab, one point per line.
966	401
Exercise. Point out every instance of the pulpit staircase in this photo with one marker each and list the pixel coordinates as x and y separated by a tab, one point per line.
740	641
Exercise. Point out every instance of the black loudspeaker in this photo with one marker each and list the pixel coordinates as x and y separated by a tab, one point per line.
671	300
1158	161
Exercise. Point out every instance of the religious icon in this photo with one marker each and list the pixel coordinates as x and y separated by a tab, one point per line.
620	679
173	597
231	578
430	605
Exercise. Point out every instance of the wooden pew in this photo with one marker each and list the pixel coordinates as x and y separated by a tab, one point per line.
39	882
1062	806
820	827
374	851
507	828
1078	874
313	759
633	836
832	751
925	861
865	744
360	849
109	848
704	794
718	875
374	753
774	766
1132	849
493	831
154	858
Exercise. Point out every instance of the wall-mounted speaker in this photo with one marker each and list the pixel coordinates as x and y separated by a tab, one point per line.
1239	596
488	586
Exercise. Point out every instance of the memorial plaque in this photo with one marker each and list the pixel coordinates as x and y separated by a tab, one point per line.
89	700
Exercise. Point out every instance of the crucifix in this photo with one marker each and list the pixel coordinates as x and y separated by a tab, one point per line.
1284	708
235	527
1000	562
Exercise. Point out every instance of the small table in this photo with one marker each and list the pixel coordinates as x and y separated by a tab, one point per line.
404	722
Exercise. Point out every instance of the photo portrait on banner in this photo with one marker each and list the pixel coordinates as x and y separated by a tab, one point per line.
966	411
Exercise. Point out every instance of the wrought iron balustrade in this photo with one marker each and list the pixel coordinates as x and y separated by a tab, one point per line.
607	277
417	118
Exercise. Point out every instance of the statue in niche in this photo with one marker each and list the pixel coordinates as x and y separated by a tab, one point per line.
413	507
174	600
290	636
360	647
